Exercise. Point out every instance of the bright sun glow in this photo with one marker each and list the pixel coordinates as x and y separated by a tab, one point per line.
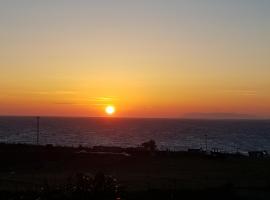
110	110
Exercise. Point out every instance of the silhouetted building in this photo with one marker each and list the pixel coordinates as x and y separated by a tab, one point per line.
258	154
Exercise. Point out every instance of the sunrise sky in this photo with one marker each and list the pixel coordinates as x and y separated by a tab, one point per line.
148	58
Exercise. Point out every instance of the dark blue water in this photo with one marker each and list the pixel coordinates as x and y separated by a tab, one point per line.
227	135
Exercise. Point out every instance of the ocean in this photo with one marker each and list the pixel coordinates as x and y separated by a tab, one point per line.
173	134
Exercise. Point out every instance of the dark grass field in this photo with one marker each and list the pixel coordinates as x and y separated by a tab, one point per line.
26	169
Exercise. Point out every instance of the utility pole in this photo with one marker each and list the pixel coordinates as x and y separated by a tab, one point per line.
38	130
206	145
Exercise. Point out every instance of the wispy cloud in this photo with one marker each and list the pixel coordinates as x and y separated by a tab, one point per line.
102	99
64	103
242	92
57	92
93	101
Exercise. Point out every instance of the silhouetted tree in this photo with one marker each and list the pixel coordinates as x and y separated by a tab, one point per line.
150	145
99	182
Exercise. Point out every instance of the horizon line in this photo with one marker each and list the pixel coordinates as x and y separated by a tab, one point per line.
126	117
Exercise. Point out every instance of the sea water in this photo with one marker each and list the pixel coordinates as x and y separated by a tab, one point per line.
173	134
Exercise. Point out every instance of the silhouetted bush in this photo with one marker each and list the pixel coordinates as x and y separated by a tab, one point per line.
150	145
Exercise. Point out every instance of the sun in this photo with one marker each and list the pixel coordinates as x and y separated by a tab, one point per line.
110	110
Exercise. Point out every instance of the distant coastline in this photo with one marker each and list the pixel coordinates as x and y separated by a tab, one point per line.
220	115
187	116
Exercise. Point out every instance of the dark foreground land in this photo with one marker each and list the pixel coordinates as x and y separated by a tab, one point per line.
46	172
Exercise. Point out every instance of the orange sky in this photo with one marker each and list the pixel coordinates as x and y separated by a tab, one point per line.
158	59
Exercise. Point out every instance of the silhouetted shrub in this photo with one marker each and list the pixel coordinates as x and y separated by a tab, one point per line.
150	145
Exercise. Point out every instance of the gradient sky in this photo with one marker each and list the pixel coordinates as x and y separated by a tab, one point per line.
149	58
